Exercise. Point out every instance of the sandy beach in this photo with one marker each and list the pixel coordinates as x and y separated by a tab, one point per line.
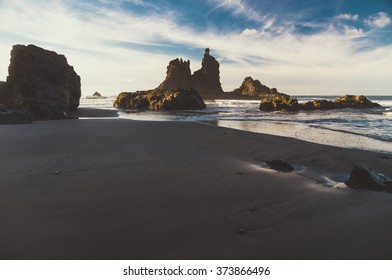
122	189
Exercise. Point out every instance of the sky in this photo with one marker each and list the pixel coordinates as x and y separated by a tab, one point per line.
309	47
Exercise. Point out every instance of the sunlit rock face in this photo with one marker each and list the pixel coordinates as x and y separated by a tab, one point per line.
42	82
158	99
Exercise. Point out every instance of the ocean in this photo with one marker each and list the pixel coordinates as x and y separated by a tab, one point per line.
366	129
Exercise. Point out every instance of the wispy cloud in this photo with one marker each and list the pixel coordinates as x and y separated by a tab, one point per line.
379	20
347	17
116	50
242	8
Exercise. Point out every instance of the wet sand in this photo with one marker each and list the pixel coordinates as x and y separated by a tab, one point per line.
121	189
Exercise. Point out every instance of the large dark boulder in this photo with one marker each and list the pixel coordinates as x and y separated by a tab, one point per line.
206	80
178	75
42	82
362	177
14	115
279	103
158	99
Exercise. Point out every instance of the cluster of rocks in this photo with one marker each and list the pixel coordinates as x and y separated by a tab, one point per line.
203	83
160	99
284	103
42	82
254	89
206	80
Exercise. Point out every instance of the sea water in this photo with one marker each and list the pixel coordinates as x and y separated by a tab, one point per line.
367	129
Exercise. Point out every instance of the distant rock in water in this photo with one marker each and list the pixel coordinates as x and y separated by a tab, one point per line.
207	80
355	101
363	177
42	82
291	104
14	115
279	103
97	94
254	89
178	75
159	99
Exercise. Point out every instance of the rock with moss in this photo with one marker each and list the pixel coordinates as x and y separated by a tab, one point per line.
159	99
355	101
279	103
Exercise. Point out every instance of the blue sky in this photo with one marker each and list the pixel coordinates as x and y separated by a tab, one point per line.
300	47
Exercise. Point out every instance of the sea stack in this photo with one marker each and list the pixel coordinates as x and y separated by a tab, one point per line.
178	75
206	80
42	82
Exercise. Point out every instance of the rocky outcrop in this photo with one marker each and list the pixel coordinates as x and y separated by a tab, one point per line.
291	104
14	115
255	89
178	75
42	82
354	101
279	103
362	177
207	80
159	99
97	94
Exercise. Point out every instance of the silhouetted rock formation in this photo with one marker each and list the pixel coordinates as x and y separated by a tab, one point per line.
159	99
291	104
97	94
41	81
207	80
279	103
178	75
363	177
14	115
253	88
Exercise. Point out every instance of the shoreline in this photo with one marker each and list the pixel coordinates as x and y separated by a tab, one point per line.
120	189
278	127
